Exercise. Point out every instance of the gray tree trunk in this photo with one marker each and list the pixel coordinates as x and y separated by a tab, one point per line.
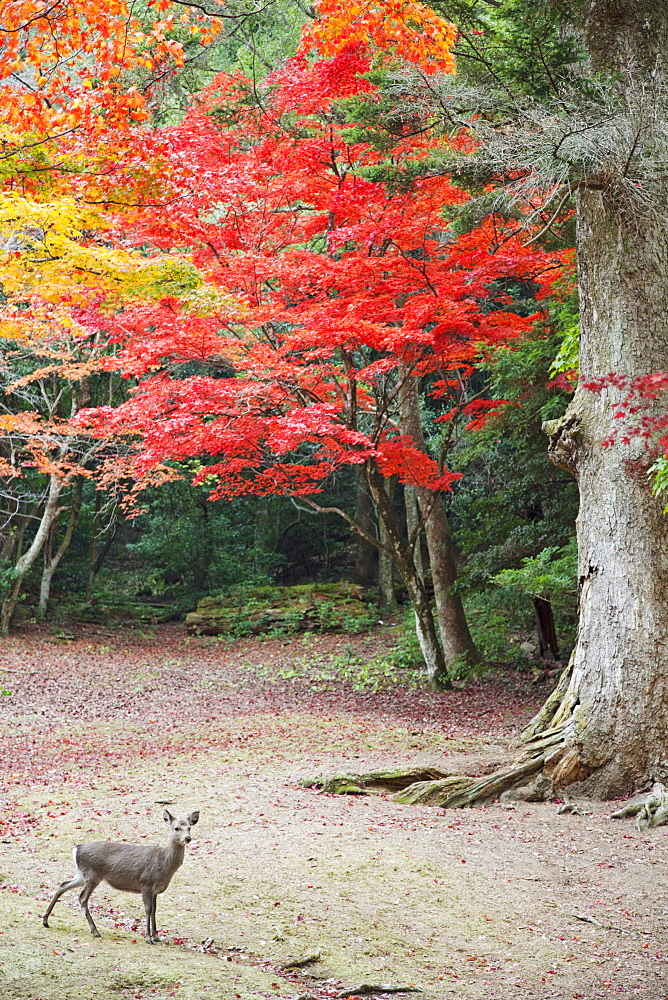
366	559
617	733
402	556
52	560
24	562
413	526
387	597
456	638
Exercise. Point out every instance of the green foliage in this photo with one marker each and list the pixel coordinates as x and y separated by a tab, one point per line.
406	658
568	355
659	478
407	655
499	621
501	615
523	45
512	501
552	574
361	673
7	577
262	42
194	545
565	313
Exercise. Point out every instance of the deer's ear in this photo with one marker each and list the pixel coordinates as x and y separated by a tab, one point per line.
192	819
167	816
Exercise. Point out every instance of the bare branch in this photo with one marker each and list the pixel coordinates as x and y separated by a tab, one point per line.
43	15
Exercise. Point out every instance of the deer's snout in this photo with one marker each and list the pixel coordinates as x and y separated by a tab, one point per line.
188	839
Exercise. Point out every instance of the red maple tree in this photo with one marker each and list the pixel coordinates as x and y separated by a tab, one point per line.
324	296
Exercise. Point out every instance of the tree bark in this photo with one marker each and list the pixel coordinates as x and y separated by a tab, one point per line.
366	559
53	560
456	638
617	734
402	555
387	597
23	564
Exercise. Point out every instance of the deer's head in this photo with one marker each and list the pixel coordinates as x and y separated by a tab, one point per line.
180	828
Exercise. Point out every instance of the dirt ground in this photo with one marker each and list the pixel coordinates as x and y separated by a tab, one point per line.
101	728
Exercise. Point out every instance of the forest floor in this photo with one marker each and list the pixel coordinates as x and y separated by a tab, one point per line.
100	727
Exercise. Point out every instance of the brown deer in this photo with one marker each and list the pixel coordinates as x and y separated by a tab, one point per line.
129	867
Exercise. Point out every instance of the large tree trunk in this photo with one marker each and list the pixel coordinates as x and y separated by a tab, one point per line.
619	686
604	731
617	731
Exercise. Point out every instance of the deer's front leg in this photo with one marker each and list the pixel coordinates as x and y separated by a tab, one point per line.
154	929
149	898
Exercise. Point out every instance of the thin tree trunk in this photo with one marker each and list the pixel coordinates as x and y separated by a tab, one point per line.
98	554
92	554
413	527
402	555
52	563
23	564
366	560
387	598
547	633
456	638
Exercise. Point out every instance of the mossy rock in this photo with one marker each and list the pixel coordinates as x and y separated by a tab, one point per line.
332	607
433	793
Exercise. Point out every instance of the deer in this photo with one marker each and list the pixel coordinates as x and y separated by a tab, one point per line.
129	867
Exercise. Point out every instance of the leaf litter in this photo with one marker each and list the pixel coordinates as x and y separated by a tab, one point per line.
99	729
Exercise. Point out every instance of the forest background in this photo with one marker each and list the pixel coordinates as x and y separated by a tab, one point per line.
286	299
90	213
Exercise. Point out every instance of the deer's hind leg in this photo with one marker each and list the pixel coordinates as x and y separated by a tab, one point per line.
89	888
71	883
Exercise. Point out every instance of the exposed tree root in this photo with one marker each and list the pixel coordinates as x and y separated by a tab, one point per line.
299	963
364	988
650	811
490	787
554	711
433	793
524	780
548	763
357	784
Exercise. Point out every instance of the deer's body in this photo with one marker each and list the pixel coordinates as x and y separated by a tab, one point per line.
128	867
